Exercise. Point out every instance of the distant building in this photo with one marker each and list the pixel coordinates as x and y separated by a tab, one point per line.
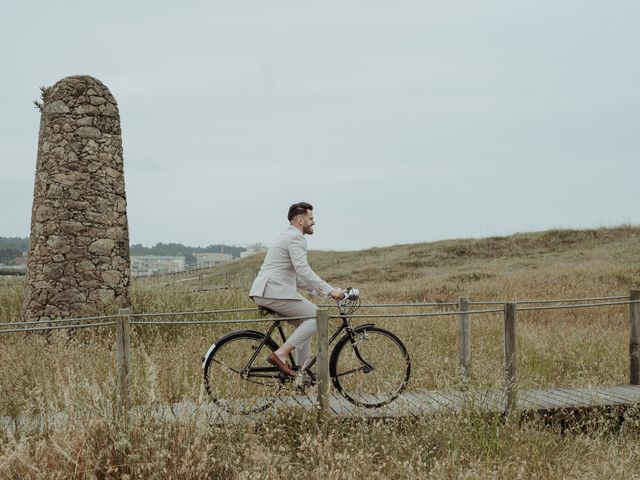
253	249
21	260
209	259
151	264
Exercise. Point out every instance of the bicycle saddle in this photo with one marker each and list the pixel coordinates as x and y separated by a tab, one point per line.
264	311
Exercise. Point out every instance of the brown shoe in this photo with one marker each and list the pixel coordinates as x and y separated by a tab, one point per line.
274	360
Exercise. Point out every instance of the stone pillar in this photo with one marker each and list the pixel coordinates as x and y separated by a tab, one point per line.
79	245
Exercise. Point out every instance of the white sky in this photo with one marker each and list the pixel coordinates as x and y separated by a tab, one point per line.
401	121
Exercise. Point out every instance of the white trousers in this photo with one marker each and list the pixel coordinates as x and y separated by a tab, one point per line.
300	339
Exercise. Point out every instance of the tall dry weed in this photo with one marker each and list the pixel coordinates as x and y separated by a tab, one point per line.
58	390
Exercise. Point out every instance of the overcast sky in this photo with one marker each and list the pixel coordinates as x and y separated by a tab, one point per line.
400	121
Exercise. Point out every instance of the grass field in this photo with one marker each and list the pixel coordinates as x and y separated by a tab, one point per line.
41	375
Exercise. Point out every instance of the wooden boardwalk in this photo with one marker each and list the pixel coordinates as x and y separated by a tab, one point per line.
434	402
409	404
413	404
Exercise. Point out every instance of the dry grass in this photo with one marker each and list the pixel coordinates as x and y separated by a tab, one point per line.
41	375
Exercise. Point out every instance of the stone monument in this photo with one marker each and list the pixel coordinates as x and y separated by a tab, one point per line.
79	245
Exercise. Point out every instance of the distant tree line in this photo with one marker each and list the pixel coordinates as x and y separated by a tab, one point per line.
13	247
21	244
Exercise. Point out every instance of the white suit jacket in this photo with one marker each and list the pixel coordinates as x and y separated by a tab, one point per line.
285	268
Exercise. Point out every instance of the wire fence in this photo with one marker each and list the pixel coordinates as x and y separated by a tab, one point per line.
138	318
388	305
219	322
587	305
408	315
59	327
564	300
197	312
62	320
254	309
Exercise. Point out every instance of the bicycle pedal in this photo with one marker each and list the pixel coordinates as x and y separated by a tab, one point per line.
302	387
304	381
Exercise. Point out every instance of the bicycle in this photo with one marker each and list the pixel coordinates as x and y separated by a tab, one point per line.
369	365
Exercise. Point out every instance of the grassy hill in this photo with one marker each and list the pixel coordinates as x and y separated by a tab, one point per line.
552	264
44	374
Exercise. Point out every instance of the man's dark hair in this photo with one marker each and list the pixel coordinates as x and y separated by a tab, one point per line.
298	209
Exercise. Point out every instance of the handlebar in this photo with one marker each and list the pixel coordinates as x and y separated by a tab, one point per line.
350	294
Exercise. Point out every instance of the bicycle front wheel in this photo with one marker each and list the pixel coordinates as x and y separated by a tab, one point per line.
236	385
372	371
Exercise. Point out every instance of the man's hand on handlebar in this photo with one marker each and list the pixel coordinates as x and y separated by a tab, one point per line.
336	293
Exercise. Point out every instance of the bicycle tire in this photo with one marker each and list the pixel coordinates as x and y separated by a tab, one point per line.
382	378
223	379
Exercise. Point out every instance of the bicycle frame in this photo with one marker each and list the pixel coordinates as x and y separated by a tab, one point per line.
248	371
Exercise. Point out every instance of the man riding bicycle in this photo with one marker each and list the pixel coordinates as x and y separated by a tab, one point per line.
285	268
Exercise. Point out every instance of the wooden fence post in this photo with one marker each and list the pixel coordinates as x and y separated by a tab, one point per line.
464	336
123	360
323	360
510	356
201	280
634	338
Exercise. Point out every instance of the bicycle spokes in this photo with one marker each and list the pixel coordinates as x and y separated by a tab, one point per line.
238	379
373	370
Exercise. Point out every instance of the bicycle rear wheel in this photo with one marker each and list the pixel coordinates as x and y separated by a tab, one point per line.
233	384
374	371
